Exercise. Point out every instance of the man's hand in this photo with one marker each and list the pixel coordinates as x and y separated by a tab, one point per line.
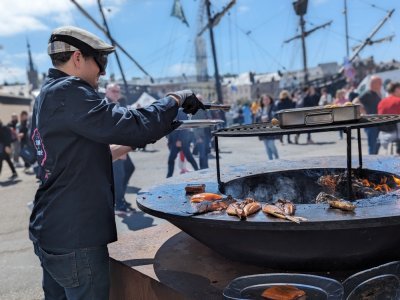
119	152
357	101
188	101
7	150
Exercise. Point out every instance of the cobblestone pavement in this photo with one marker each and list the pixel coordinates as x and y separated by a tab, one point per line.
20	276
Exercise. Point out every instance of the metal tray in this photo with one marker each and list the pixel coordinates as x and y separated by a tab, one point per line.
318	115
186	124
381	282
251	287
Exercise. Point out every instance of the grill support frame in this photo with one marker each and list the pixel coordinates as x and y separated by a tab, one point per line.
269	130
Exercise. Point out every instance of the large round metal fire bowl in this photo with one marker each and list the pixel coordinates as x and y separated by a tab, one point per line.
330	240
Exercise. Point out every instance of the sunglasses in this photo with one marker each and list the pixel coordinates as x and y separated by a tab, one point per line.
101	60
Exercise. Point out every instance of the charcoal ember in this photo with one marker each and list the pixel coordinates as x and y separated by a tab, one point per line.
361	191
328	183
336	185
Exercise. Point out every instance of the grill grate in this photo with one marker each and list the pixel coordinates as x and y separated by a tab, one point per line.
266	129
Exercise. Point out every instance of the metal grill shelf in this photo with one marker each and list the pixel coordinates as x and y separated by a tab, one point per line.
266	129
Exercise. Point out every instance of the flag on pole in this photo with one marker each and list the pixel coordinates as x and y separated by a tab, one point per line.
177	11
349	71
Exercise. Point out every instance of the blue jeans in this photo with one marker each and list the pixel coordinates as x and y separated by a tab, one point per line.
173	152
119	181
203	154
75	274
129	168
373	144
271	148
123	170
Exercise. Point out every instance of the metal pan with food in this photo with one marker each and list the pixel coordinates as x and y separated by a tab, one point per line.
318	115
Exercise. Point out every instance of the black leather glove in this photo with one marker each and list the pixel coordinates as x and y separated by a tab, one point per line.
188	101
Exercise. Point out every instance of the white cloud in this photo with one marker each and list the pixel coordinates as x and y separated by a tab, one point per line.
10	58
40	57
17	24
21	16
63	18
178	69
12	74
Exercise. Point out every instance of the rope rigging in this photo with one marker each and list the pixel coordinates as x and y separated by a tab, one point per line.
258	45
374	6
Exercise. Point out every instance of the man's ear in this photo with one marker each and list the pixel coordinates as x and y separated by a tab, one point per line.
77	58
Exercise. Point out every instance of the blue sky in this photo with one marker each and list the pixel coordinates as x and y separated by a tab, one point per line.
163	45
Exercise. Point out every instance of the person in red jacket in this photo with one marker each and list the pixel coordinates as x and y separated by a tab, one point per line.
390	105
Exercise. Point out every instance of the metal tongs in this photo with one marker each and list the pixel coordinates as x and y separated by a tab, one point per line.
212	106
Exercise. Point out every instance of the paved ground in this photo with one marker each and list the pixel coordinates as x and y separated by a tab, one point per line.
20	276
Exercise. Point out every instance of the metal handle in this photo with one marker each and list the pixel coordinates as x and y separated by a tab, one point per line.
211	106
319	118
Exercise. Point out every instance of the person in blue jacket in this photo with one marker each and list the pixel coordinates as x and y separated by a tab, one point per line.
72	220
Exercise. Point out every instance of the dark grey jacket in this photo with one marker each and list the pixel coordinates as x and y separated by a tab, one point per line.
72	128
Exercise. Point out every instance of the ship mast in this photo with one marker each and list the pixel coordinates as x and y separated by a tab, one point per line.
213	21
214	54
300	7
346	24
127	94
87	15
368	40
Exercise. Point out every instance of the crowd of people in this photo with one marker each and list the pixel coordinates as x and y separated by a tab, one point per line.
15	144
372	102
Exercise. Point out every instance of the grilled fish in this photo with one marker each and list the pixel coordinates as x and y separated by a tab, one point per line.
217	205
235	209
288	207
277	212
243	209
342	204
205	197
335	202
323	197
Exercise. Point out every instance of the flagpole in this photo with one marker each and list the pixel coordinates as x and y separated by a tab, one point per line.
128	96
214	53
346	28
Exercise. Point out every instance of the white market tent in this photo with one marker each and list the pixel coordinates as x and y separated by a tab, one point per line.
387	76
143	101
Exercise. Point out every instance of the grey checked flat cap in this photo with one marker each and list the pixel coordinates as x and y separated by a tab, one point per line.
70	38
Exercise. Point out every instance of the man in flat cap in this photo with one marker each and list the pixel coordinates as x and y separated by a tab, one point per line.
72	219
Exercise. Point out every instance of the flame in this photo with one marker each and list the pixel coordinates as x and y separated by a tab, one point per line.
365	182
397	180
385	185
382	186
